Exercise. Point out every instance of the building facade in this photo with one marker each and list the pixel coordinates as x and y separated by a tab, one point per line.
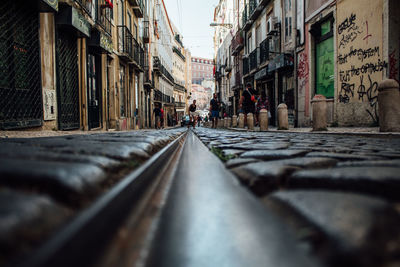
294	50
85	64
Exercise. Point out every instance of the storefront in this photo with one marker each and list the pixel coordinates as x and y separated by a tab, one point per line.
99	44
20	65
71	25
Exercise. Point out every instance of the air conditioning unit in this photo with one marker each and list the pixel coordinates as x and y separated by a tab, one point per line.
271	24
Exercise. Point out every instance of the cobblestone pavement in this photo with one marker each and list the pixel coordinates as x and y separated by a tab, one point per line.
339	194
45	181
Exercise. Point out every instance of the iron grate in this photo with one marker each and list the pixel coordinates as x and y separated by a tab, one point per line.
68	81
20	75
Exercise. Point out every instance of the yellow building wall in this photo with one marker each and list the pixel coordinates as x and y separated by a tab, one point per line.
360	64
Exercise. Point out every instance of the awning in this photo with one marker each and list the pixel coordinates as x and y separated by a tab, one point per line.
280	61
261	73
101	41
72	17
48	5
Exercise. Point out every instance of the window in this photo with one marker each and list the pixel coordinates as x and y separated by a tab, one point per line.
129	21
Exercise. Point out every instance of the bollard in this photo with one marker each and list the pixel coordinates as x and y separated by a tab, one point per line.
220	123
283	120
229	122
234	121
319	110
388	105
263	120
225	122
241	120
250	121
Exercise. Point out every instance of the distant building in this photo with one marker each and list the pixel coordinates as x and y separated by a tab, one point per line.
202	69
201	95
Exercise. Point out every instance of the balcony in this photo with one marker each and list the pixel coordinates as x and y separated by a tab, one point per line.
103	18
125	43
138	7
156	64
178	52
180	104
161	70
252	6
86	5
238	80
146	31
264	51
246	22
178	39
237	43
138	55
254	59
246	67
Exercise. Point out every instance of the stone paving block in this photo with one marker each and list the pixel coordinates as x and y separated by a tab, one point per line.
25	220
263	177
13	151
115	151
371	163
273	154
62	177
342	156
382	181
355	225
232	163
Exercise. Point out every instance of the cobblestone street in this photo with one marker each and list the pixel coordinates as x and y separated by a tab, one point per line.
46	181
338	193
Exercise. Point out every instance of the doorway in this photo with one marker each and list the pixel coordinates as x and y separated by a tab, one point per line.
93	91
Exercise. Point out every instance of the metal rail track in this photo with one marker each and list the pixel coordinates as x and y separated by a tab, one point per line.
82	240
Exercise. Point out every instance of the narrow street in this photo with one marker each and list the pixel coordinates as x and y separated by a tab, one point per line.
251	199
212	133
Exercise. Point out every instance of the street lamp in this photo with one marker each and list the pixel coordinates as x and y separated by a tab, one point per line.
226	25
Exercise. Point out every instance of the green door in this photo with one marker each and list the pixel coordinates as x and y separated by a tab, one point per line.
325	68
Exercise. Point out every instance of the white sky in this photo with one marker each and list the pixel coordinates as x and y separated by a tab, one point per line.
193	18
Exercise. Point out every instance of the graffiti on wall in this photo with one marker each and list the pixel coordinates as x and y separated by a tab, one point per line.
303	71
359	57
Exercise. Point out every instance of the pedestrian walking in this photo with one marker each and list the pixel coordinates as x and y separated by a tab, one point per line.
157	116
193	114
214	109
247	102
162	118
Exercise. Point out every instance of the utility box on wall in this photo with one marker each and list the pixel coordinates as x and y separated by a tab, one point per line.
49	105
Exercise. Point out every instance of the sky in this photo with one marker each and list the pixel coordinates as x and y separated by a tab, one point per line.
193	18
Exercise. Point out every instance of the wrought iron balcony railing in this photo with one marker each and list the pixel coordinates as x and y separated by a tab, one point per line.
238	79
86	5
103	17
237	42
264	51
138	7
146	31
252	6
245	15
125	42
178	52
246	65
254	59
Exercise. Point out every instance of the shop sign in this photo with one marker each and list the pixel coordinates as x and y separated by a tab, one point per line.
106	43
261	74
80	23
